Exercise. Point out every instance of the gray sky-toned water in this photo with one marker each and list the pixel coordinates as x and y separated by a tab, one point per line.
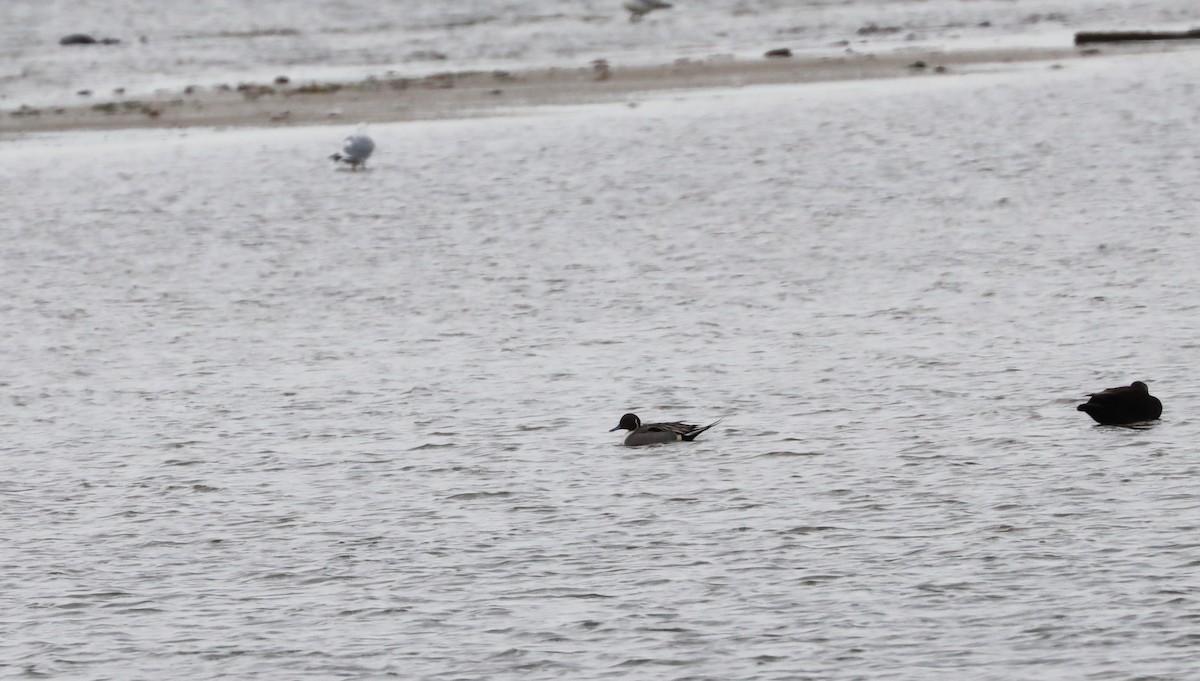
264	418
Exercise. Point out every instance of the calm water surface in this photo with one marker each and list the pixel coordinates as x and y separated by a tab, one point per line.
266	419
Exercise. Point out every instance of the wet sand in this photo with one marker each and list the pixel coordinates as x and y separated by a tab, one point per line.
486	93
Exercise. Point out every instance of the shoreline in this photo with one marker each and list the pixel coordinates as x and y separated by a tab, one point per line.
471	94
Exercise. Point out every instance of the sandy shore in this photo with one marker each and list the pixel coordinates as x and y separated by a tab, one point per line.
478	93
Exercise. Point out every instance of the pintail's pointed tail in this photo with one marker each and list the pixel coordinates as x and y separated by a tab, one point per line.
688	437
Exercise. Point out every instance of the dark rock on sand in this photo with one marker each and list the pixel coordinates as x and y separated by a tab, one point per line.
85	39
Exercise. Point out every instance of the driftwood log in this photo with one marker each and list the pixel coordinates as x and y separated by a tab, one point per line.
1088	37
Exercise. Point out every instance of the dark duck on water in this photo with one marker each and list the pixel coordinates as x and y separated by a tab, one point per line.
1127	404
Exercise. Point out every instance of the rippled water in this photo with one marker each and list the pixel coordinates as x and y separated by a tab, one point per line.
267	419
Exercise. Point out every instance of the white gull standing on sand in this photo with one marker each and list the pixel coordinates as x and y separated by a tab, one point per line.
637	8
356	149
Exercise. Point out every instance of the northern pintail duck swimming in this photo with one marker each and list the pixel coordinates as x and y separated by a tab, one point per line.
639	8
356	149
1126	404
658	433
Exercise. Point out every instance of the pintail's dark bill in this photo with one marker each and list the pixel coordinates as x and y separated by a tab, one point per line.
616	427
